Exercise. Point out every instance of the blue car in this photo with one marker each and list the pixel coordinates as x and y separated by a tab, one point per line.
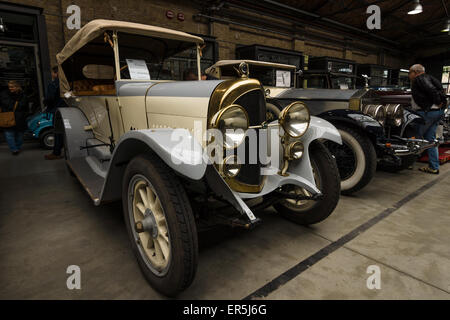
40	127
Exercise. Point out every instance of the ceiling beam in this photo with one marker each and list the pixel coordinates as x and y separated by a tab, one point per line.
348	9
319	6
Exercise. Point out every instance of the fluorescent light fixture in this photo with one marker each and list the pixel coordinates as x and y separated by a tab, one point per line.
416	7
404	70
446	26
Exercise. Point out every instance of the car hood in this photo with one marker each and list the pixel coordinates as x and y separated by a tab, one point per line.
317	94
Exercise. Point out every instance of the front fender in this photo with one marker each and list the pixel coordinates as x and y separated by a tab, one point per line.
318	129
355	118
410	119
300	171
321	129
177	148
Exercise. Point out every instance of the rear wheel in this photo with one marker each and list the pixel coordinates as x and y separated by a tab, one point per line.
326	176
47	139
356	159
160	224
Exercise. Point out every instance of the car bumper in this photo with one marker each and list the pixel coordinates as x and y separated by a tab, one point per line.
406	146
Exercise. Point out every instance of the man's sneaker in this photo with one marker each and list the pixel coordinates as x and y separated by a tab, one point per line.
429	170
52	156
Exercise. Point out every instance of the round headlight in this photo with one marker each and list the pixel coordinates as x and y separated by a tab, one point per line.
230	167
394	112
376	111
295	119
233	122
295	150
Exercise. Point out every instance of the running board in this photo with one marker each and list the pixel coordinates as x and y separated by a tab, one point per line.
91	181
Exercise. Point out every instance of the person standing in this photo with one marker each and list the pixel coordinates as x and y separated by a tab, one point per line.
429	100
53	101
14	100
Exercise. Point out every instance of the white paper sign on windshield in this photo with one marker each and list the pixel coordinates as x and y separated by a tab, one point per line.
138	69
283	78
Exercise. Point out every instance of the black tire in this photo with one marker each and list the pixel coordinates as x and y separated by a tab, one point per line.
180	223
406	162
47	139
358	151
328	180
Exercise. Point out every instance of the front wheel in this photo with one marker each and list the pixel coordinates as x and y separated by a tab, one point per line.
326	176
47	139
356	159
160	224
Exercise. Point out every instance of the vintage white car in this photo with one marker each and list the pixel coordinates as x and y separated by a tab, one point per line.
183	155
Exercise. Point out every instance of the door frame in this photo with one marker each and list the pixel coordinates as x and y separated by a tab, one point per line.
38	65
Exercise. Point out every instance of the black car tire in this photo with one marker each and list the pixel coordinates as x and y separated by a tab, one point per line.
179	219
406	162
328	180
364	155
45	138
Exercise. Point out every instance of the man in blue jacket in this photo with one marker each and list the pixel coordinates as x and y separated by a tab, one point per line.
429	100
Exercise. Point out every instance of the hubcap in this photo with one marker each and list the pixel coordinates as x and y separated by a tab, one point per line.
345	158
150	225
304	205
50	140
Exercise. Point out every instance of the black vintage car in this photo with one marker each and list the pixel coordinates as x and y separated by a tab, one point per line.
364	121
329	73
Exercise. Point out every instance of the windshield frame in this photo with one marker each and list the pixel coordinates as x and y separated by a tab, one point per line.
116	45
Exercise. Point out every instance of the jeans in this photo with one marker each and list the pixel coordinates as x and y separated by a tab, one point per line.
427	131
58	144
14	139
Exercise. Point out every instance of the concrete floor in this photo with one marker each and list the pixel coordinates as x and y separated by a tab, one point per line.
48	222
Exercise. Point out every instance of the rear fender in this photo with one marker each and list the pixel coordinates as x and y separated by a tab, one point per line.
71	122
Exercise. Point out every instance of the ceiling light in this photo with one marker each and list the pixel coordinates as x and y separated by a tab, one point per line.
2	26
415	7
446	26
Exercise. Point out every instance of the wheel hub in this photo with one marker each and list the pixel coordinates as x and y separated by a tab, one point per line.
148	224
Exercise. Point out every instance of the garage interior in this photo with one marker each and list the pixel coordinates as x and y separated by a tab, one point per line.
399	222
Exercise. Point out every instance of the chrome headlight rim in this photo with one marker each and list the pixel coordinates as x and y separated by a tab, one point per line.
376	111
394	113
218	116
285	112
291	152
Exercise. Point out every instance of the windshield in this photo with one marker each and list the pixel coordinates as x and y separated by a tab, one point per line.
316	81
269	77
147	58
342	83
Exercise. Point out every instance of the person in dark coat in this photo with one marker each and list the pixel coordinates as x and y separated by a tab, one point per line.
53	101
429	100
8	100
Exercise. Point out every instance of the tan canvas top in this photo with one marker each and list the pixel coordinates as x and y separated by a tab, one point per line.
222	63
95	28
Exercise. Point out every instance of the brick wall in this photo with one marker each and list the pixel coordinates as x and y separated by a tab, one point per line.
153	12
